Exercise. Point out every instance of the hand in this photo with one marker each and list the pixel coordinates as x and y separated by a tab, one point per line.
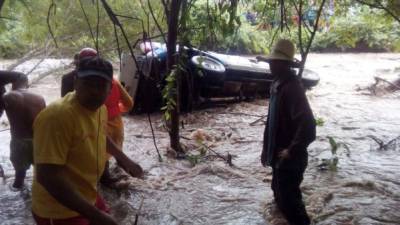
284	154
134	169
103	219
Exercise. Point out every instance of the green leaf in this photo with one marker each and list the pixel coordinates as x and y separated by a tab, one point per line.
167	116
320	122
334	145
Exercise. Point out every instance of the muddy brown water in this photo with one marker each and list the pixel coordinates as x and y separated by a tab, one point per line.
365	189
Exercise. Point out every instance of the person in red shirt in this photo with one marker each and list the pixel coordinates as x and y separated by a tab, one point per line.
117	102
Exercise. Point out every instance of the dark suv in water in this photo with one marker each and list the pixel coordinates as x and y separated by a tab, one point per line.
209	75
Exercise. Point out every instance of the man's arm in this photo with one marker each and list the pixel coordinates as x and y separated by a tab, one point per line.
7	77
127	164
50	177
126	102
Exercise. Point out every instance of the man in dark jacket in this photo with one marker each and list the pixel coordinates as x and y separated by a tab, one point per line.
290	129
67	80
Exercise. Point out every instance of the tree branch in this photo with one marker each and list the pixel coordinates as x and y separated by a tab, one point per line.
115	21
52	5
315	28
156	22
97	26
87	21
299	27
166	10
379	5
1	5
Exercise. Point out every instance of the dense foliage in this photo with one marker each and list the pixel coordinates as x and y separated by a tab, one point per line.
26	25
357	28
362	29
241	27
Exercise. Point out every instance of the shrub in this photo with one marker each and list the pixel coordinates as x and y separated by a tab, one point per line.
362	32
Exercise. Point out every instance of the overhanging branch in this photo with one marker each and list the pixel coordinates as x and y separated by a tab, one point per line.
87	21
52	5
156	22
379	5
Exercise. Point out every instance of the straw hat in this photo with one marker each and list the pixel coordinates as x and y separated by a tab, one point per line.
283	50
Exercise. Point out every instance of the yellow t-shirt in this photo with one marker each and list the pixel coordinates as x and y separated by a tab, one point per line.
66	133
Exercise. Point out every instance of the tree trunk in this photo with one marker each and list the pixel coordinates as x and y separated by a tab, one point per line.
1	5
173	19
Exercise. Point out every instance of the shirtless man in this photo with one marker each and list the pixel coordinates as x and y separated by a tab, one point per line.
21	108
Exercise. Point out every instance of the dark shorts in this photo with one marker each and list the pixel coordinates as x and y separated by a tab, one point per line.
21	153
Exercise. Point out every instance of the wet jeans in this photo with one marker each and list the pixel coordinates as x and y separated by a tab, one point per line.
286	187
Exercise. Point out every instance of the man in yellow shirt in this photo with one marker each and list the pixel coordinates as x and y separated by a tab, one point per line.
69	151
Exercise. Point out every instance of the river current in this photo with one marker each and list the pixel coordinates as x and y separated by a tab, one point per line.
364	188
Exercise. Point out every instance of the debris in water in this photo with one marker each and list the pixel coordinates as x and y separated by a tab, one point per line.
2	174
364	184
390	145
138	212
200	136
229	159
382	86
262	119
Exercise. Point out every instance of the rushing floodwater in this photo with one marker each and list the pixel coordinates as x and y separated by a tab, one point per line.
365	189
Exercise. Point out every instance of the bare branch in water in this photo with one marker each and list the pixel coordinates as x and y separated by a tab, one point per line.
392	144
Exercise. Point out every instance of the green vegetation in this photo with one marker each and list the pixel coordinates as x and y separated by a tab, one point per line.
221	26
346	28
195	159
332	162
356	31
168	91
24	26
320	122
362	30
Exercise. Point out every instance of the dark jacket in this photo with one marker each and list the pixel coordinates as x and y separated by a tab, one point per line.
295	126
67	83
